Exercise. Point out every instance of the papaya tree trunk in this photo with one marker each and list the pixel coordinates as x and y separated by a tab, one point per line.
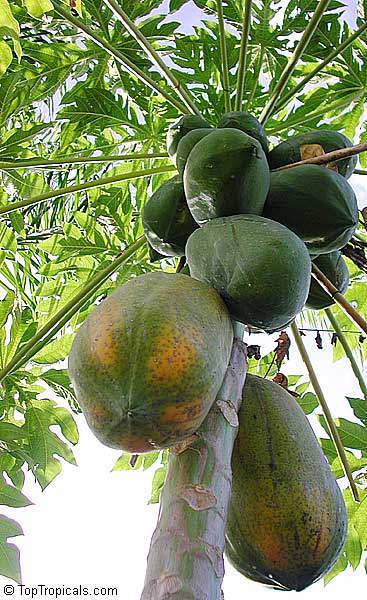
185	560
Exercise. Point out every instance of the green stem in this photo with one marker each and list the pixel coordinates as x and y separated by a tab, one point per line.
293	60
325	409
348	352
319	68
342	302
41	163
83	186
330	108
359	172
68	310
241	73
224	57
256	78
117	55
152	54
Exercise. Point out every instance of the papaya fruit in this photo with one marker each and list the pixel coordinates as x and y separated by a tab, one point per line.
316	203
226	173
261	269
334	267
179	128
148	362
154	256
310	144
166	219
287	521
246	122
186	144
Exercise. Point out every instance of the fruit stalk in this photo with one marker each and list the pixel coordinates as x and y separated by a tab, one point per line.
47	332
346	307
334	434
336	52
83	186
152	54
47	163
293	60
348	351
328	157
118	56
241	73
186	553
224	57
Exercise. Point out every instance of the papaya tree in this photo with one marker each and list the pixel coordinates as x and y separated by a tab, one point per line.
92	95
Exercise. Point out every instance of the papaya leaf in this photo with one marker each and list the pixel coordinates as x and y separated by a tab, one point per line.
43	444
9	554
351	434
157	484
340	565
37	8
11	496
10	432
54	351
308	402
356	464
359	521
359	408
58	380
123	463
352	547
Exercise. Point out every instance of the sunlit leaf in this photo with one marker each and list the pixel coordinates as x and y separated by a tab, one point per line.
9	553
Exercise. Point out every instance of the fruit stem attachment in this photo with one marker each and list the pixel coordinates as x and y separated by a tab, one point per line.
152	54
83	186
48	163
269	108
224	57
118	56
334	434
328	157
185	557
345	306
241	73
348	351
39	340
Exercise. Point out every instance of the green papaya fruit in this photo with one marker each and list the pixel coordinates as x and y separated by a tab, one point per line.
186	144
179	128
287	521
226	173
154	256
246	122
166	219
313	143
333	266
261	269
316	203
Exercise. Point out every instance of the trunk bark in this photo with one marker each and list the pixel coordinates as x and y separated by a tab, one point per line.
185	560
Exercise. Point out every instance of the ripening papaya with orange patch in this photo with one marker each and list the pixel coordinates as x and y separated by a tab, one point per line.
148	362
287	521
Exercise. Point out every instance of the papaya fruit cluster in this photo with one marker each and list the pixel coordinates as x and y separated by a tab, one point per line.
248	230
148	362
251	232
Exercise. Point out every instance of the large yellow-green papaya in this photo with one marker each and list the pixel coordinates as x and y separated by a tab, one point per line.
148	362
287	521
